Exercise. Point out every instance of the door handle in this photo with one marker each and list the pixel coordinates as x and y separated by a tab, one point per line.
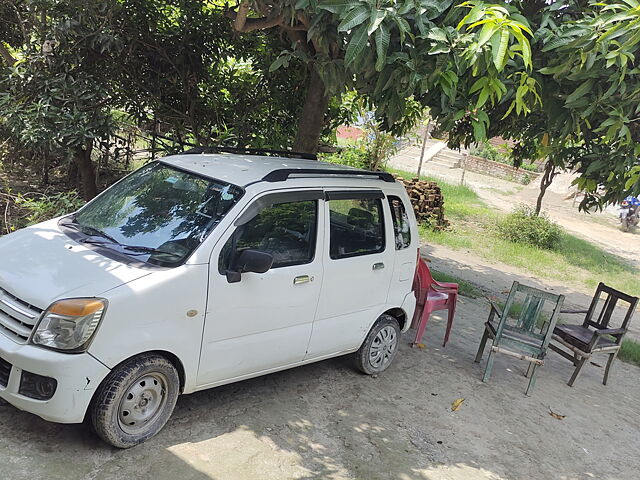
378	266
302	279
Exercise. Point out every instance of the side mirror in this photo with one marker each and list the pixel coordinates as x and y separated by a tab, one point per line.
249	261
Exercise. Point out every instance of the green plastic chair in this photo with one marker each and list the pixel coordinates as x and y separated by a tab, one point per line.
523	330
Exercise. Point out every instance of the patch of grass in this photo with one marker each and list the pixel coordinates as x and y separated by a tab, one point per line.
460	200
473	228
464	288
630	352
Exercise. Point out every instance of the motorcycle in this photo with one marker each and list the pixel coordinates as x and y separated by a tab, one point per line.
629	213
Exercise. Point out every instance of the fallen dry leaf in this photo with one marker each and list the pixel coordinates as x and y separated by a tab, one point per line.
420	345
456	405
506	291
556	415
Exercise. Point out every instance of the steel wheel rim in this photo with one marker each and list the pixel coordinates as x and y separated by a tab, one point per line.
143	401
383	347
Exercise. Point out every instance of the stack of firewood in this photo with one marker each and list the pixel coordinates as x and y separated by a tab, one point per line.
427	201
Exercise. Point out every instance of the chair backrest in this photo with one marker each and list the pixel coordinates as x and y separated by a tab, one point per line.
612	296
524	314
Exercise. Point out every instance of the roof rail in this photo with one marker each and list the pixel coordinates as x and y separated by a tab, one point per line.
252	151
283	174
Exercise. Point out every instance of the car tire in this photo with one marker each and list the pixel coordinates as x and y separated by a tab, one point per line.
135	401
380	347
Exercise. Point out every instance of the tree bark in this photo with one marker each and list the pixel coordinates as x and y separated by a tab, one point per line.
311	120
82	158
6	55
545	182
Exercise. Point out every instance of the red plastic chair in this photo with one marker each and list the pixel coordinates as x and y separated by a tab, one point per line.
431	296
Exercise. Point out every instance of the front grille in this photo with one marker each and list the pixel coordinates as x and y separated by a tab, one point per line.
5	370
17	317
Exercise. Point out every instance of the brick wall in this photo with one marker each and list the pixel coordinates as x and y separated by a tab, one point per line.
500	170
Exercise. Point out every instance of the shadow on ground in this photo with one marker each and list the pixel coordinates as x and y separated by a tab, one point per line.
326	421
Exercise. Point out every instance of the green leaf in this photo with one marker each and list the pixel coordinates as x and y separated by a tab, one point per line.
437	34
354	18
500	53
376	20
485	34
337	6
579	92
483	97
382	38
356	45
478	84
479	130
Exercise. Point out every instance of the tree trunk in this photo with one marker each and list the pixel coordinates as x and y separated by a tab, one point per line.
545	182
311	120
6	55
82	158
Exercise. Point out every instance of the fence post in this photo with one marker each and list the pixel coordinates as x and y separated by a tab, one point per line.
464	167
424	145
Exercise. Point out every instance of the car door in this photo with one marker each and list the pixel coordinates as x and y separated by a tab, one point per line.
358	265
264	321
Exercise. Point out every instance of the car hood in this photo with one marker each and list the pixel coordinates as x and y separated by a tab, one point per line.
40	264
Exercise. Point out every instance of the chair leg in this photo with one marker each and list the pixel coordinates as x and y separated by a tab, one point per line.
489	367
532	378
483	343
530	370
579	366
612	358
452	312
426	313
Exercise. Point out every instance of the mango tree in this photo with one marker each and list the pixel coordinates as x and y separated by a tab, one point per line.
460	59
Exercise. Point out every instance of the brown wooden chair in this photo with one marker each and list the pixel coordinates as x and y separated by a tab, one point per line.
579	342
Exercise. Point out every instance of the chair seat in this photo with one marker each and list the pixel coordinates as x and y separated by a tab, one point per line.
580	337
436	296
516	336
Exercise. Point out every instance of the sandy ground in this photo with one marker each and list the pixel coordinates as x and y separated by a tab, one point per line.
326	421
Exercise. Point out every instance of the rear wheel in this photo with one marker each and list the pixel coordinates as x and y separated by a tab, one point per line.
135	400
380	347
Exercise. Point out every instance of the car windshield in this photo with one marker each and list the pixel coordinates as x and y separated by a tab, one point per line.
158	214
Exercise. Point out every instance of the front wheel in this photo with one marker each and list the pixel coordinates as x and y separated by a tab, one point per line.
380	347
135	401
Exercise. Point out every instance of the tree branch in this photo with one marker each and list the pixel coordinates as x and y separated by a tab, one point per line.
241	15
243	24
6	55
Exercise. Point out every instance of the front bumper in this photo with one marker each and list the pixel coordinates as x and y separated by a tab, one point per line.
78	376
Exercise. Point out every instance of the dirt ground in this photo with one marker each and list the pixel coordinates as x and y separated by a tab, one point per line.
326	421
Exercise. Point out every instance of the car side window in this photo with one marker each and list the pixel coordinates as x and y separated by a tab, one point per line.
357	227
285	230
401	229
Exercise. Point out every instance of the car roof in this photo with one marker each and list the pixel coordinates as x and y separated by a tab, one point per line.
242	170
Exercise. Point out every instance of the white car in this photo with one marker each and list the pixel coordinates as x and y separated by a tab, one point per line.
199	270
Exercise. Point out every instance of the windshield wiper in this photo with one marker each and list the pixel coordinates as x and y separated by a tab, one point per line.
134	249
89	230
140	250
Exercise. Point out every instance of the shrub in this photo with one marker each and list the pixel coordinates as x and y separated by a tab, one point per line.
524	226
48	206
489	152
350	156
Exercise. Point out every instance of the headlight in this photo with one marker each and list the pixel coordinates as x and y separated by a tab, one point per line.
69	324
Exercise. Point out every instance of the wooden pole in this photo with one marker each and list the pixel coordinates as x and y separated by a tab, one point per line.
464	167
424	145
